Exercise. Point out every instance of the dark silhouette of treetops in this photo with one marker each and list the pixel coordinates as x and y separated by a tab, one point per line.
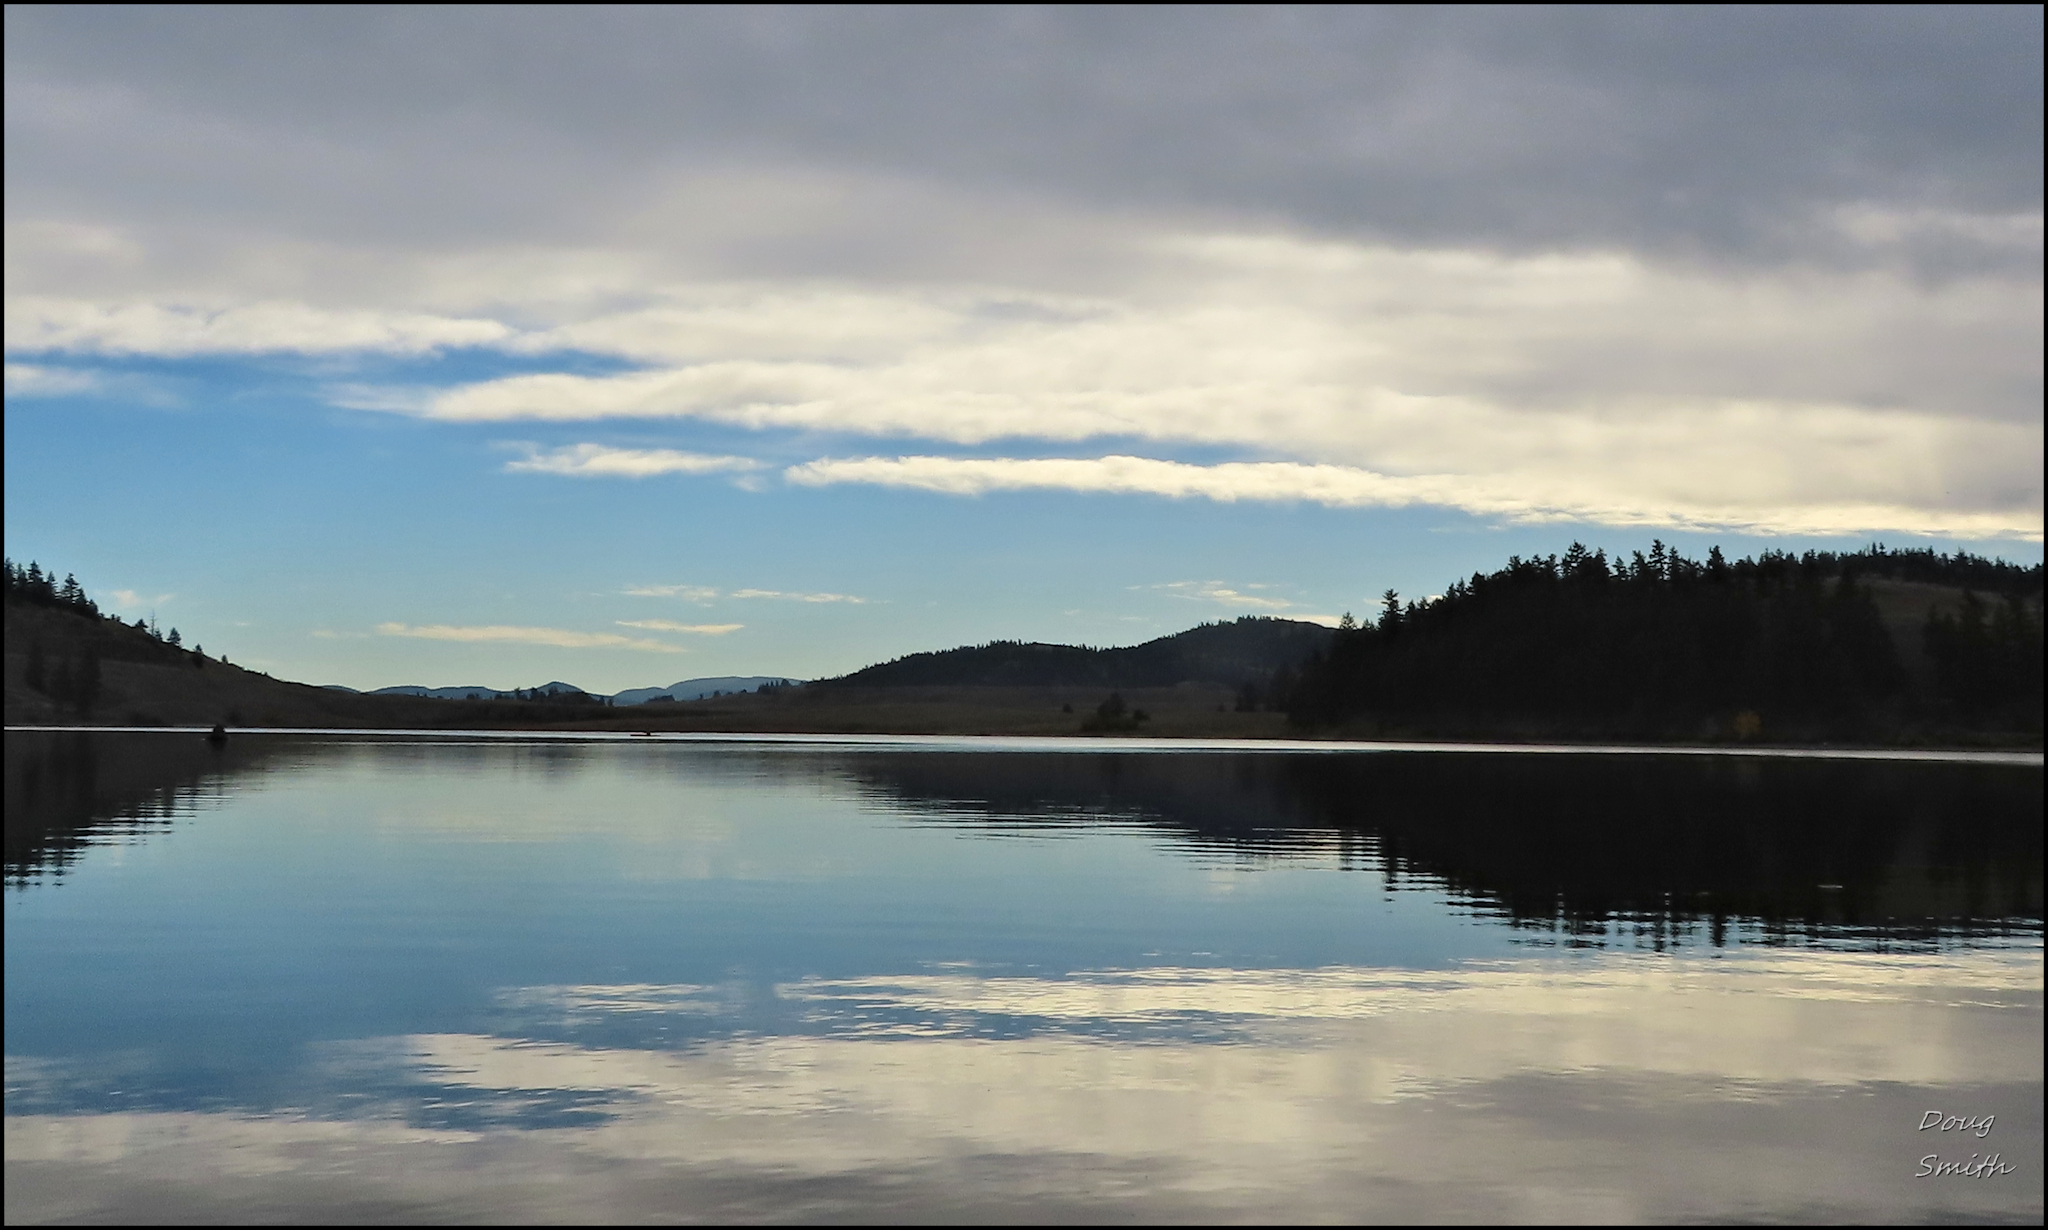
1665	646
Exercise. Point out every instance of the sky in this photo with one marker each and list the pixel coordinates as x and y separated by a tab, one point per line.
457	345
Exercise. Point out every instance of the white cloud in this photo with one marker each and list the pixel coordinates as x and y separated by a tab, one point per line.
1278	342
689	593
1228	481
129	600
663	625
39	323
30	380
796	597
559	638
1216	591
752	321
1344	486
1880	225
702	594
598	461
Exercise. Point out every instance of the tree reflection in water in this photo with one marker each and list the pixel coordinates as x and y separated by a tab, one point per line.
70	790
1584	849
1572	849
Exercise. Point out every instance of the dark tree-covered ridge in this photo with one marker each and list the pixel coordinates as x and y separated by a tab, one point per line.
1665	646
1231	653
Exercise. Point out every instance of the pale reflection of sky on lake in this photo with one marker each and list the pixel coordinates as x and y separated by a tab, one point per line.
386	982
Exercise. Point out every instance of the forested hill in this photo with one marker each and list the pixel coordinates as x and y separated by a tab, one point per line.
1234	654
1875	645
66	662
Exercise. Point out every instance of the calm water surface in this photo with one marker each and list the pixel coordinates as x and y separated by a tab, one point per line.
396	978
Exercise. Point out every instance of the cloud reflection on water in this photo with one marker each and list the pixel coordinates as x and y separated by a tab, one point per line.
1622	1087
618	982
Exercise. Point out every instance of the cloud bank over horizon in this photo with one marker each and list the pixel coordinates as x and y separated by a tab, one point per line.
1776	269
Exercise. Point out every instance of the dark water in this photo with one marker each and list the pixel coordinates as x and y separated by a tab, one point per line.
309	978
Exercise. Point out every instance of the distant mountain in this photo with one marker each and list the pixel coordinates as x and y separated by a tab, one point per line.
472	692
687	689
697	689
1243	651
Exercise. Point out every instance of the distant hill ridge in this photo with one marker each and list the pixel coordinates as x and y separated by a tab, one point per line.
698	689
1242	651
553	688
687	689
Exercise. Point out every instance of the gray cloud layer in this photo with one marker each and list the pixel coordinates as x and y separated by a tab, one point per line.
1718	132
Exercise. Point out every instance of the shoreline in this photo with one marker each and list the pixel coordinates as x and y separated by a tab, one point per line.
2028	757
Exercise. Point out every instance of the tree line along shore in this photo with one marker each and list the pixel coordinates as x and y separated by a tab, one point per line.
1881	647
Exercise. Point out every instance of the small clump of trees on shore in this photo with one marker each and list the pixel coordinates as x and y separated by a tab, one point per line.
1113	716
1665	645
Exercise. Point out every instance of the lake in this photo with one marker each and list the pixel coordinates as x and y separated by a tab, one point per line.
385	977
